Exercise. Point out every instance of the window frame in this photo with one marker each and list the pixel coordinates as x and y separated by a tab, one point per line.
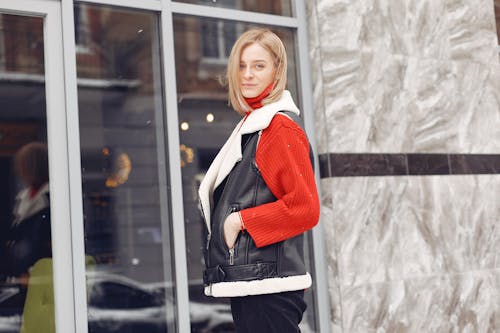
57	140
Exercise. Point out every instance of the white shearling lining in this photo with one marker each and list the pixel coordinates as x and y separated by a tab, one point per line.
259	287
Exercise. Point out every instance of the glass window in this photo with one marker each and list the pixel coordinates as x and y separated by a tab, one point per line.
497	17
26	288
81	25
123	154
276	7
206	121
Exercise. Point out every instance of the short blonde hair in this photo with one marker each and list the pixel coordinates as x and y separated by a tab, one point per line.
273	44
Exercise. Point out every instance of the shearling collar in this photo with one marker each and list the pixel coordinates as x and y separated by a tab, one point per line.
230	152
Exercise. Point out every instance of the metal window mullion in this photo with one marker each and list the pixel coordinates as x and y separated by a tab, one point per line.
318	249
162	151
221	45
75	177
174	168
58	172
135	4
233	15
58	166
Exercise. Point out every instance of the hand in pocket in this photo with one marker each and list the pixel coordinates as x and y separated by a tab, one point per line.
232	227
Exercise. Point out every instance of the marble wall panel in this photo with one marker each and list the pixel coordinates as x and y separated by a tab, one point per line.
327	226
457	107
339	25
367	237
415	254
409	254
472	30
455	303
321	133
445	29
376	103
479	109
365	103
390	228
408	27
373	93
376	307
446	303
449	224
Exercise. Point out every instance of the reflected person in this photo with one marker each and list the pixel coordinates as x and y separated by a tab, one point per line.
29	235
259	195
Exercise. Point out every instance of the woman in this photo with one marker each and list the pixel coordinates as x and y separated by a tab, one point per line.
259	195
29	235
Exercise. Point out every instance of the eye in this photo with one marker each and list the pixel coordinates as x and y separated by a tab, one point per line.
242	66
260	66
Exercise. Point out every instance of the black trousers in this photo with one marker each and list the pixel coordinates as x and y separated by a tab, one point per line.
270	313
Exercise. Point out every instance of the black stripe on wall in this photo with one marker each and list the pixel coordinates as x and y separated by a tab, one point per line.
352	165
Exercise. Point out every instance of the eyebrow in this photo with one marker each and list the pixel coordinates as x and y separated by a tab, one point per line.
259	60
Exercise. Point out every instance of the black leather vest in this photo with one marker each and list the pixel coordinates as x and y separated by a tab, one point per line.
245	188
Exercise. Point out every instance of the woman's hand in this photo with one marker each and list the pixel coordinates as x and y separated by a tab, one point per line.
232	227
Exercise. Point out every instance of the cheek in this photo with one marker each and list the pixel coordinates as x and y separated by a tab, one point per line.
269	77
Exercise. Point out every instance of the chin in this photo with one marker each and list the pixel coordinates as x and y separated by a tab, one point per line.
250	94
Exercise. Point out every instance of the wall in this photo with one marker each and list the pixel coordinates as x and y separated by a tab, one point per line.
418	80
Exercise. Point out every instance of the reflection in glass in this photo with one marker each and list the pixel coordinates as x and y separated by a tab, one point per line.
26	292
276	7
205	122
123	154
497	17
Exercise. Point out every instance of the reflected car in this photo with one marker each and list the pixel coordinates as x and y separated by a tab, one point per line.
117	304
10	315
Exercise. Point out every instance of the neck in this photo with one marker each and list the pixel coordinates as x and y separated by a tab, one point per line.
256	102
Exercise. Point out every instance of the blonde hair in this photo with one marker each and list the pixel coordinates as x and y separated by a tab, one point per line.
270	42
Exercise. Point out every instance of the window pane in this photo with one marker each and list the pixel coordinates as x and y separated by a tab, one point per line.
276	7
206	122
26	288
497	17
123	153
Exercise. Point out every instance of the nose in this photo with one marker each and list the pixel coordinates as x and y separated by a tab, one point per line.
247	72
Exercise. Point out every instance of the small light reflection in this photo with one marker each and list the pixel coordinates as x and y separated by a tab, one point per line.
120	174
184	126
187	155
135	261
210	117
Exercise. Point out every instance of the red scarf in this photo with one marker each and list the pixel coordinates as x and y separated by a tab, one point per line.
256	102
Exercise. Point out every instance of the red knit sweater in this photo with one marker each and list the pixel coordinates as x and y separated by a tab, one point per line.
283	159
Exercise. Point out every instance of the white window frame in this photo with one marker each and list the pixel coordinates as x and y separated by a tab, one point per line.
58	149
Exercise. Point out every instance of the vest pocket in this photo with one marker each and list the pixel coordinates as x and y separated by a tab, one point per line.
231	253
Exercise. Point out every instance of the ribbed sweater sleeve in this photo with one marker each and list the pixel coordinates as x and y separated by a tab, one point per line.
282	157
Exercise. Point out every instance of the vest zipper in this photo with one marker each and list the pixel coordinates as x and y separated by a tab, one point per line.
231	256
209	236
231	250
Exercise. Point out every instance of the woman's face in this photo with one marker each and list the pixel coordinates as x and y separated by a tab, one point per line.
257	70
